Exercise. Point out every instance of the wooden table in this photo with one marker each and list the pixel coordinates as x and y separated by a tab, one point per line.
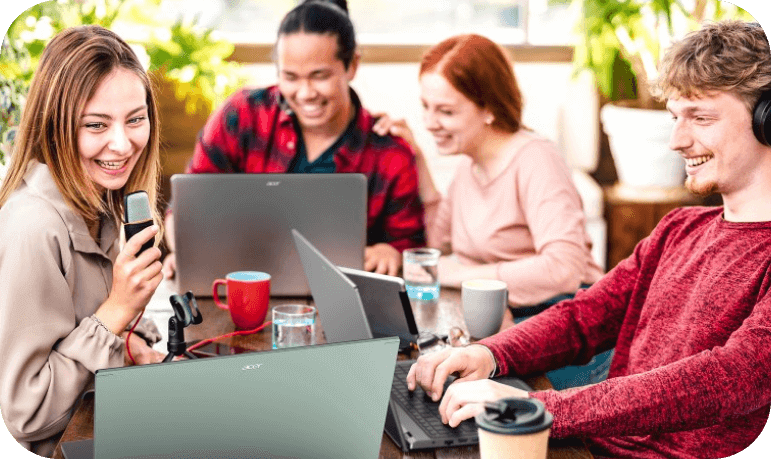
438	318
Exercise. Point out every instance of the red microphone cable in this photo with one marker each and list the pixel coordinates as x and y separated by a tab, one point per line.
128	347
228	335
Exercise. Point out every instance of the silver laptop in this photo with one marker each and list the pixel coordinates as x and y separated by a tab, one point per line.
386	304
234	222
323	401
413	420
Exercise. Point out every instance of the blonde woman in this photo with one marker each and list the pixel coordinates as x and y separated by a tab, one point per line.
88	136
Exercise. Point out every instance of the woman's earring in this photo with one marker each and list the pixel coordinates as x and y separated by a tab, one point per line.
489	120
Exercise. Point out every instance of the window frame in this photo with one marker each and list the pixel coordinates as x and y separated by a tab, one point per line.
262	53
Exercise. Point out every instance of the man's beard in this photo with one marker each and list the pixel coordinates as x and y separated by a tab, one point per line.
700	189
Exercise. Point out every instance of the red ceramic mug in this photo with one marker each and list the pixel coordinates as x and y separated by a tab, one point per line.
248	295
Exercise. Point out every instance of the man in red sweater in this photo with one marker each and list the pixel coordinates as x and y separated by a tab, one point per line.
689	312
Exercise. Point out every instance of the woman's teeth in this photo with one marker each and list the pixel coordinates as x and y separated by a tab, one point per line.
112	165
698	160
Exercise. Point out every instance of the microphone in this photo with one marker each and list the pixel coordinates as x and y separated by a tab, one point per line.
137	216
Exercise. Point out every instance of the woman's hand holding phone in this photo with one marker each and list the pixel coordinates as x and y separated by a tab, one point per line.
134	280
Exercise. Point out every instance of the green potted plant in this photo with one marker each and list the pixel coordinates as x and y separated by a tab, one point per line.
13	91
188	62
621	42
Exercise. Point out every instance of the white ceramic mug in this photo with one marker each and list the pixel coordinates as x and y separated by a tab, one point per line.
484	301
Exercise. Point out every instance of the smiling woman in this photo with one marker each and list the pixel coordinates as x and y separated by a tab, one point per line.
87	137
114	130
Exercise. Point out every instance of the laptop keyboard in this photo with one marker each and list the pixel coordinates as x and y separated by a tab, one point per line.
423	410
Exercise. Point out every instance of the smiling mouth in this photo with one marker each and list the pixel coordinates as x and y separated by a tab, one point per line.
311	109
111	165
698	160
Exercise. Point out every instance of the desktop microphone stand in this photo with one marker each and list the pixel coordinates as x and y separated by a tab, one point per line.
185	313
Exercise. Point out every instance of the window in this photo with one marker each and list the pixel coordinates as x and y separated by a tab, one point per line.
533	22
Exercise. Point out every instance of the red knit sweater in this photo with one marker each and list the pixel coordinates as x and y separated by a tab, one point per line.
689	313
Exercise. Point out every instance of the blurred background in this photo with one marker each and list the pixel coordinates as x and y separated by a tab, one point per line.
581	65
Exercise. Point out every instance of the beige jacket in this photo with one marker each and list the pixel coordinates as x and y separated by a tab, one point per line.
53	277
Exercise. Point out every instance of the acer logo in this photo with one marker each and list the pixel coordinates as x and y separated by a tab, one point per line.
272	183
252	367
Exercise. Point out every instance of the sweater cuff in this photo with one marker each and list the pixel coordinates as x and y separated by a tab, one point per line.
93	346
147	330
545	398
492	356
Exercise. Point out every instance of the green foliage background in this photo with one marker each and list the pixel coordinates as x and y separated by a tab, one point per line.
191	57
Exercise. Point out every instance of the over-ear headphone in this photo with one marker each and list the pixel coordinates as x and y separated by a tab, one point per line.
761	124
761	119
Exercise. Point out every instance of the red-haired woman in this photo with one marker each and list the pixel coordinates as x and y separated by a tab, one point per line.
512	211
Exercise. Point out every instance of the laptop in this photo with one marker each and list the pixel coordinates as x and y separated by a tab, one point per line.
241	222
386	304
322	401
413	421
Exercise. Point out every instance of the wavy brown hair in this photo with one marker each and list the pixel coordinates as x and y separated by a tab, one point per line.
731	56
71	68
480	70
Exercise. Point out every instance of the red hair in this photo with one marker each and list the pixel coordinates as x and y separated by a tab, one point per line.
480	70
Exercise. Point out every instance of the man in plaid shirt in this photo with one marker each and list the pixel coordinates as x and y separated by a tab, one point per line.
312	122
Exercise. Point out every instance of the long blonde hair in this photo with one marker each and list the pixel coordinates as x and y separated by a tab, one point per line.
71	68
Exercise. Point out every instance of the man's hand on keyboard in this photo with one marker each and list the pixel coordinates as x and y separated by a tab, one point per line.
465	400
431	370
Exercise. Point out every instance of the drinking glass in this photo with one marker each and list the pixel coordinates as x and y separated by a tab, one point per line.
420	273
293	325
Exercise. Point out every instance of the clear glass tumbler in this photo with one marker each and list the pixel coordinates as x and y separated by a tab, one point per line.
420	273
293	325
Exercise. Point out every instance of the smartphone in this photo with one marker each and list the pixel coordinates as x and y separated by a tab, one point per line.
216	349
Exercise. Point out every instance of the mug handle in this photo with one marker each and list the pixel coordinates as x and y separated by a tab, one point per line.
506	299
216	296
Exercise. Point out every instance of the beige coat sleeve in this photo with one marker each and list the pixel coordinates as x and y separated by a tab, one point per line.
47	357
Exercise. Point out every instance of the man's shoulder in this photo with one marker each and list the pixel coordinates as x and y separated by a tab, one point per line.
382	144
254	97
691	215
685	222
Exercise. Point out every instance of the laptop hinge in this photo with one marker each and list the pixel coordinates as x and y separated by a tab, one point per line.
407	306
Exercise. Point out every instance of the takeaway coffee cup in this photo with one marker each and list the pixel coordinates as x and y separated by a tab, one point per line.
484	301
248	295
514	428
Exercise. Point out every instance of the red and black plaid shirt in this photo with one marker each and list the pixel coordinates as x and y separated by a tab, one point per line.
253	133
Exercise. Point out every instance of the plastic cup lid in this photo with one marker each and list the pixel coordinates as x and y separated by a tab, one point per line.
514	416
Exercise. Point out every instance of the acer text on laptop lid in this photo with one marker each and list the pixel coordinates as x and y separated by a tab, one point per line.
314	402
241	222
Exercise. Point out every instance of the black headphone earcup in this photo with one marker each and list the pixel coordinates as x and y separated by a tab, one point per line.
761	119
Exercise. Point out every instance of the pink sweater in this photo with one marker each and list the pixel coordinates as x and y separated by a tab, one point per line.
528	220
689	313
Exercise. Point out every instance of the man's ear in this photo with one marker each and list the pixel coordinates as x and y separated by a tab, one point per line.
353	66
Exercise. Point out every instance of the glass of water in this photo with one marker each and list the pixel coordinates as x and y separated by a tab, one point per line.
293	325
420	273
